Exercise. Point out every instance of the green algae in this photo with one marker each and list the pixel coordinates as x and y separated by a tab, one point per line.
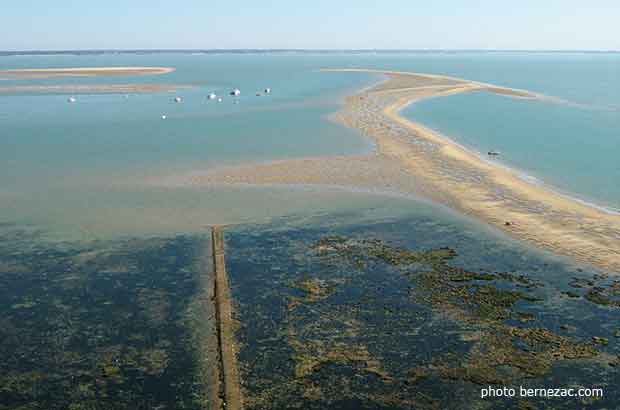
314	290
310	356
97	325
502	353
439	282
600	340
597	290
571	294
383	326
601	296
356	250
506	354
26	303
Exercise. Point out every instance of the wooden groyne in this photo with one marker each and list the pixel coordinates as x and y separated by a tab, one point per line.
230	391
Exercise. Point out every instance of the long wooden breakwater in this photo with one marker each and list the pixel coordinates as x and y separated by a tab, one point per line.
229	389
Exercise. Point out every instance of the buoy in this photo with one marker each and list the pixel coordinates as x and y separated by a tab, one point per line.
178	99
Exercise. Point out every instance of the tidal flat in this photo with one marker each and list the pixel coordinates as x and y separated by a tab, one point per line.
104	324
83	72
412	158
413	313
336	311
339	311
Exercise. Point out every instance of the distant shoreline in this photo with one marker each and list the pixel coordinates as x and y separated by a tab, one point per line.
12	53
24	73
412	158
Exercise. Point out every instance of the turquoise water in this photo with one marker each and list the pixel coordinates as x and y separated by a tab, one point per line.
117	314
82	167
572	145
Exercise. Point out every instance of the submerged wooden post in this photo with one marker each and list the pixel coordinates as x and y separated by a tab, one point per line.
223	309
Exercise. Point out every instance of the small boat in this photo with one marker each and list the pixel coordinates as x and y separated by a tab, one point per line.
178	99
236	92
212	96
258	94
493	153
219	99
71	99
267	90
163	117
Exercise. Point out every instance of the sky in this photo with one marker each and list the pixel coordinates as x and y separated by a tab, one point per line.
314	24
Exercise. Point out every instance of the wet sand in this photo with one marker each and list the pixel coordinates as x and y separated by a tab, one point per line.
412	159
83	72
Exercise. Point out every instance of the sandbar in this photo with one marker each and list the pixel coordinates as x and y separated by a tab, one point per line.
83	72
412	158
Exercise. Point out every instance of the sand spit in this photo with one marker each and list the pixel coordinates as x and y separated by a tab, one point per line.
411	158
92	88
83	72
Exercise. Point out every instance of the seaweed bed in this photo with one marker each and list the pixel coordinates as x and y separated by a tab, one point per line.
331	312
392	315
103	325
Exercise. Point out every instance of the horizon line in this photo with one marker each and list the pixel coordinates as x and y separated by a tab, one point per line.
284	50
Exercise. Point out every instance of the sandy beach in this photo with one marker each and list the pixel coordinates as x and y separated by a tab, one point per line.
83	72
410	158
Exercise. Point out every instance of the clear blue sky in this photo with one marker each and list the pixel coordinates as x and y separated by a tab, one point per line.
411	24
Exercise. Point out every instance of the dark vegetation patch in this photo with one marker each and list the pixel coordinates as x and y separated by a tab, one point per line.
353	322
99	325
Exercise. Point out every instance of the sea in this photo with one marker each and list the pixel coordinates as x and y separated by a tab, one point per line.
82	167
343	299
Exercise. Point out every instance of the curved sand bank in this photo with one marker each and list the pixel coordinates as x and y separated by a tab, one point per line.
84	72
411	158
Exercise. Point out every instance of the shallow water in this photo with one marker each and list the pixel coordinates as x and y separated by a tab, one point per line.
98	267
62	162
322	329
117	321
569	147
112	324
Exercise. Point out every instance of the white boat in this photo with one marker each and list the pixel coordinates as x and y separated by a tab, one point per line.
212	96
267	90
163	117
236	92
178	99
219	100
71	99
